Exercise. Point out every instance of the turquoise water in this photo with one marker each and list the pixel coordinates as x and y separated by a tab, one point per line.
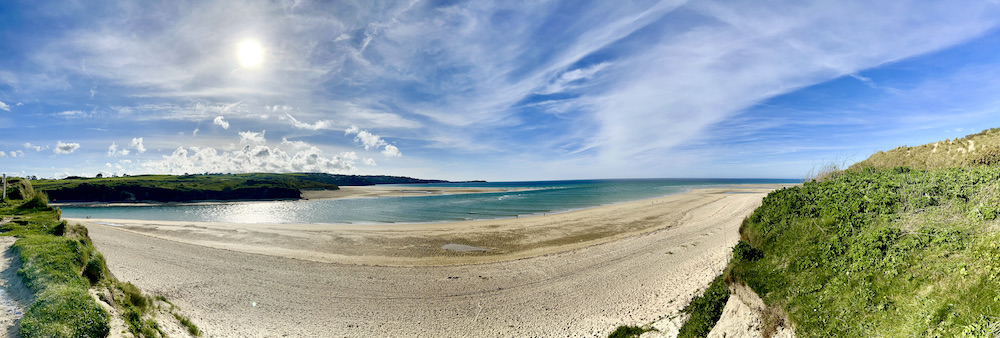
542	197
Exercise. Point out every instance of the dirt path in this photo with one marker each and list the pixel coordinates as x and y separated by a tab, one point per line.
586	291
14	296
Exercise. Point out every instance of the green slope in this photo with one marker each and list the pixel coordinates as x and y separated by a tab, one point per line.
905	243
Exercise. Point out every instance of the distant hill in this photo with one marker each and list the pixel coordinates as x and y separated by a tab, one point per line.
971	150
219	187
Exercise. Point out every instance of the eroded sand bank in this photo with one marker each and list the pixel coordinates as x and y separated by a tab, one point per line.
579	273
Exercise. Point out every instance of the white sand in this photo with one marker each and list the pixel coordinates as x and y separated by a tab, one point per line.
580	273
744	316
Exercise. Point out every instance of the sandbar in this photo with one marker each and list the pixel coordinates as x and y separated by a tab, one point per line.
579	273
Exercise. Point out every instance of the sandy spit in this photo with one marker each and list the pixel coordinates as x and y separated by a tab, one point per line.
575	274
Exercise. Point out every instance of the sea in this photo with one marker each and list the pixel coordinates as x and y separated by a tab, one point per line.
516	199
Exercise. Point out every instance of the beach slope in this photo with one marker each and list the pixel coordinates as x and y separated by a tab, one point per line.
579	273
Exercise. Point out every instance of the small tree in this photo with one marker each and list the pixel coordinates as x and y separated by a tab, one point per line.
99	175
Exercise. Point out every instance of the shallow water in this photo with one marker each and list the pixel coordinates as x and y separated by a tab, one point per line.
542	197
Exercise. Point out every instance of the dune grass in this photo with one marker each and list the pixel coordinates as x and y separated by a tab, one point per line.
880	252
970	151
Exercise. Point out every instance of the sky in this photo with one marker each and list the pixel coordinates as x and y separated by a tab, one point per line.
500	91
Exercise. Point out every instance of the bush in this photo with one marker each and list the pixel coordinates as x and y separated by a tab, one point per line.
744	252
95	269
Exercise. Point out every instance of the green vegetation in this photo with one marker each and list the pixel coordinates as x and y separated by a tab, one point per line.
706	309
625	331
51	266
169	188
60	265
879	252
969	151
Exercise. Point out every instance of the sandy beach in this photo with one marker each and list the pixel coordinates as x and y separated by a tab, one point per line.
579	273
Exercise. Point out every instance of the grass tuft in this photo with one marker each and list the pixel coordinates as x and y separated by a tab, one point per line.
627	331
706	309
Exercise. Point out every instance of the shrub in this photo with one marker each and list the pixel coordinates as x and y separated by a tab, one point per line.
744	252
95	269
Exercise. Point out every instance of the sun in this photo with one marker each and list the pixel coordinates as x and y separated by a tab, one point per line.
250	54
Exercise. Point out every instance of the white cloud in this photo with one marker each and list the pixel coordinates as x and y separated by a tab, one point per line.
297	144
114	151
391	151
221	122
4	106
137	145
570	79
72	114
3	154
253	138
65	148
195	132
321	124
370	162
107	165
369	141
16	153
28	145
255	156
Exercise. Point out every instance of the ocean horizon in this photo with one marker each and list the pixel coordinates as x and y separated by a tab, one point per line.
521	198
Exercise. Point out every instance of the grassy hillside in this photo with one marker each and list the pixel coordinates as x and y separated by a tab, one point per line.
879	252
971	150
905	243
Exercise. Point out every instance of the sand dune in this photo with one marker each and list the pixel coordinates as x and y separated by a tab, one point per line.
579	273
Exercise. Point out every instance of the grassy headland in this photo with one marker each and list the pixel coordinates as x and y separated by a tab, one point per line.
60	265
905	243
170	188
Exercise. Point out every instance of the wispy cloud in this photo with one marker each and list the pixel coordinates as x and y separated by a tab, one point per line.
616	87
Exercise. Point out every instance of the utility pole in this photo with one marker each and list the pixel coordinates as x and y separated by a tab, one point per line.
4	186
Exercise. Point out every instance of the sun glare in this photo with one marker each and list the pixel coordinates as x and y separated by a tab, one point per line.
251	54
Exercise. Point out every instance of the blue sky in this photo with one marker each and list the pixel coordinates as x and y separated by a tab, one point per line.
478	90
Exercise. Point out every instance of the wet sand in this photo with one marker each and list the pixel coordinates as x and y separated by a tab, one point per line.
579	273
